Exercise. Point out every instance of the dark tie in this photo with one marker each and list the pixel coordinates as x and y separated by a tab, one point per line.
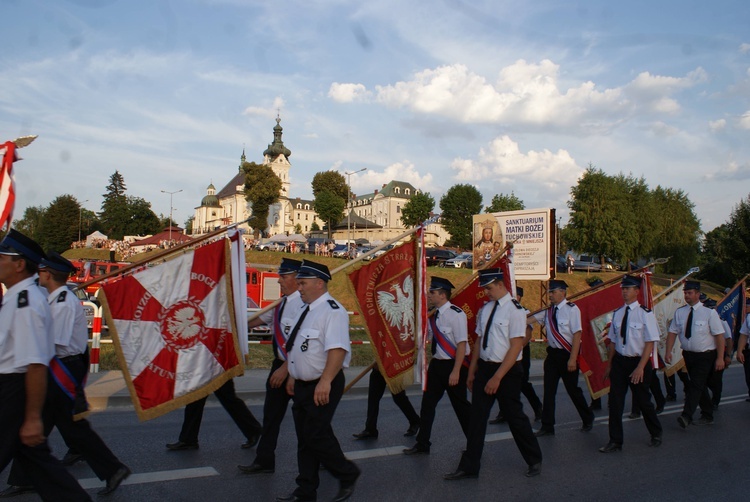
554	319
278	314
434	345
290	342
689	326
624	325
487	327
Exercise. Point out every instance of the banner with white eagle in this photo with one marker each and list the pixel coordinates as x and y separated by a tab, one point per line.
174	326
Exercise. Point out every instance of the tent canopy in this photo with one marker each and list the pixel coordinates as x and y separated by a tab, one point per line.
97	235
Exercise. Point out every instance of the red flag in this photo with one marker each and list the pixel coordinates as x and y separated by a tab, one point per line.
7	184
174	329
385	292
596	315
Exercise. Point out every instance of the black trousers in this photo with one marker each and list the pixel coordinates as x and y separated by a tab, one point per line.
556	369
77	434
48	476
316	442
511	408
236	407
527	388
438	374
700	366
655	388
274	410
619	378
715	384
375	394
746	367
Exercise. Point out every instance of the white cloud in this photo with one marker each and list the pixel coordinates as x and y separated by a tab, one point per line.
278	104
733	171
348	93
370	180
744	48
745	120
662	129
717	125
526	94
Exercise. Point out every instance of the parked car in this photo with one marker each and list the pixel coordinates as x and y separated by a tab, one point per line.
439	256
340	251
357	252
381	252
271	246
464	260
586	263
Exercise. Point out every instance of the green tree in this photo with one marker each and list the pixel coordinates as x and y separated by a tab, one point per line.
330	208
189	225
297	228
738	239
31	222
314	227
715	261
330	181
676	231
59	228
262	188
114	216
501	203
458	205
141	218
417	209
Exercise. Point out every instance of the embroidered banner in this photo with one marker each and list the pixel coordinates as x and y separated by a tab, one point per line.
664	312
174	329
385	293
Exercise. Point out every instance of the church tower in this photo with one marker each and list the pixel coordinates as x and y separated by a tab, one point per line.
277	156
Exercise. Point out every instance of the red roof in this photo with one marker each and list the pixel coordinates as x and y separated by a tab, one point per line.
176	235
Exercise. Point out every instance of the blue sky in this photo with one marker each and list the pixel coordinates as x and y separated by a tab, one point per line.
507	96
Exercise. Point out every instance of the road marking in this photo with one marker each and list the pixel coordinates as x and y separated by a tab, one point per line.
154	477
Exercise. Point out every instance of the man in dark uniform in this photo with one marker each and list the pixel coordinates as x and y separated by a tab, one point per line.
447	371
633	333
563	323
281	319
743	349
374	394
702	338
68	370
318	349
26	348
496	369
527	389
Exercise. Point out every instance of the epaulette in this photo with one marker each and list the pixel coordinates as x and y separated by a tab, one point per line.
515	302
618	308
333	304
456	309
61	297
571	304
645	308
23	299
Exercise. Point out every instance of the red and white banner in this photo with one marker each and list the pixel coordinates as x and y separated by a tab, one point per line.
664	312
385	292
596	316
174	328
7	183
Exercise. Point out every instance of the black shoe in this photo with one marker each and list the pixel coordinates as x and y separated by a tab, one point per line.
345	491
587	427
610	447
417	449
365	434
292	498
534	470
715	406
660	409
705	421
412	430
683	421
544	432
634	415
12	491
255	468
459	474
655	441
179	445
113	482
71	458
499	419
251	441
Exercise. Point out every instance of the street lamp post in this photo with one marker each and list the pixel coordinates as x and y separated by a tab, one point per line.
170	212
348	202
80	214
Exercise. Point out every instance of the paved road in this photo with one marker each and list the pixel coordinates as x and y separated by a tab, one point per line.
698	463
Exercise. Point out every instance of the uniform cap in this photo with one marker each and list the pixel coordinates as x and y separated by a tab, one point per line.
694	285
630	282
17	244
58	262
311	270
440	283
489	275
289	266
554	285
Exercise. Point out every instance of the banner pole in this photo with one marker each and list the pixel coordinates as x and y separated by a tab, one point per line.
677	282
359	377
159	255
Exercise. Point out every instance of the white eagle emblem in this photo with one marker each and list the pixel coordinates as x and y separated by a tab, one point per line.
184	324
399	308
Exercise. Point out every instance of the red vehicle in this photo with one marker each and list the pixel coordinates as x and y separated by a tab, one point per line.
262	287
88	270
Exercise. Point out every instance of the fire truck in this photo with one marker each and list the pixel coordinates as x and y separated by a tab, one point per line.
262	287
88	270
